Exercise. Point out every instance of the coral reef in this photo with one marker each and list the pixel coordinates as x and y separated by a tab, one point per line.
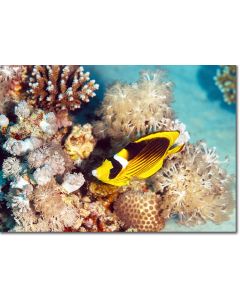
226	80
46	183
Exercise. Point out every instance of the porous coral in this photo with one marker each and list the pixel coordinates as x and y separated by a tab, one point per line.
194	187
130	111
54	88
140	211
226	80
80	142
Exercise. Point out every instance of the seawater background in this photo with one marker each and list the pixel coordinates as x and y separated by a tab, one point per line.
198	103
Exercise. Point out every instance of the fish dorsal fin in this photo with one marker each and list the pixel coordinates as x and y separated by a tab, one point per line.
153	151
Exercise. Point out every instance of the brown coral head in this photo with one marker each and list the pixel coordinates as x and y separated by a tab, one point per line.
55	88
139	210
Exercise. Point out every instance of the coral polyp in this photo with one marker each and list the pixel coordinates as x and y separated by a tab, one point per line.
48	156
55	88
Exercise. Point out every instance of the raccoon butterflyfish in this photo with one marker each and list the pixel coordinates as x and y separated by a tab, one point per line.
139	159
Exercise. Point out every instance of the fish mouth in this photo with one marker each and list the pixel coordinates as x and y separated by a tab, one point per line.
94	173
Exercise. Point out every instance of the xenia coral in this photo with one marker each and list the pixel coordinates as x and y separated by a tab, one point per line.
140	211
54	88
194	187
129	111
226	80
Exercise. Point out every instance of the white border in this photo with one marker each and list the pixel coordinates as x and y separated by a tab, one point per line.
95	266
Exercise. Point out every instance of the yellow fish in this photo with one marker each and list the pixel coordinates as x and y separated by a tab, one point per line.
139	159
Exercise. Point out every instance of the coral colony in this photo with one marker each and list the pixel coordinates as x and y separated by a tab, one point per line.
47	158
226	80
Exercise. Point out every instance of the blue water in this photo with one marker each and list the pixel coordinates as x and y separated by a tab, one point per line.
198	103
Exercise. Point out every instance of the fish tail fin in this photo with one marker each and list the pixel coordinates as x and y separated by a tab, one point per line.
176	149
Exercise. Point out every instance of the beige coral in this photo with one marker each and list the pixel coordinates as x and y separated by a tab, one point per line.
130	111
47	200
140	211
194	187
80	143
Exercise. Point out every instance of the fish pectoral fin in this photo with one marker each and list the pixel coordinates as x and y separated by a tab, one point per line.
175	149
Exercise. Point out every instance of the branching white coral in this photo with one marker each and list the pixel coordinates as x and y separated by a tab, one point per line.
43	175
22	110
73	182
21	147
11	167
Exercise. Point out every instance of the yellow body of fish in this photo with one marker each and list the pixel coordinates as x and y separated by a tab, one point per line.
139	159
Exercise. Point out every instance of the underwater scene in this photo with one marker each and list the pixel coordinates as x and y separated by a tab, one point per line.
118	148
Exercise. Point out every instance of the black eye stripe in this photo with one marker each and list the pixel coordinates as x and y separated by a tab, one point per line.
117	167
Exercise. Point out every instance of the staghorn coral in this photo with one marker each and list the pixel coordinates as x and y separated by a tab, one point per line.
55	88
129	111
140	211
80	143
194	187
226	80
